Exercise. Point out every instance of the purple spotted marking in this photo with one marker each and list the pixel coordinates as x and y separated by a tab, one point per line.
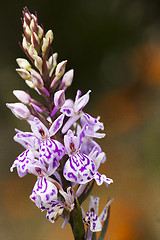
72	176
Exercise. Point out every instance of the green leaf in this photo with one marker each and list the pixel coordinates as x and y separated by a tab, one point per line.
77	222
105	226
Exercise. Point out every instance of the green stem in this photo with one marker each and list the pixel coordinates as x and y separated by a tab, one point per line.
77	223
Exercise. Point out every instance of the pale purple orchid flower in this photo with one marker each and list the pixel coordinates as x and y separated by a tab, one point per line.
80	168
94	125
20	110
56	207
50	151
91	218
91	132
44	192
27	140
45	196
73	110
26	163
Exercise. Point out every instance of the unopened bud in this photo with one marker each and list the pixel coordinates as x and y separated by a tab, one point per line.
27	17
30	84
51	64
40	32
34	40
27	31
32	25
59	98
25	24
49	36
47	40
24	74
34	17
32	51
68	78
23	63
25	44
22	96
19	110
60	69
38	63
45	45
36	79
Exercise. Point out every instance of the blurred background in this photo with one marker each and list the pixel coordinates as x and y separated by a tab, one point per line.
114	48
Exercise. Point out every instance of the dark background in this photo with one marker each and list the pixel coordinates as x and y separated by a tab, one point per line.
114	48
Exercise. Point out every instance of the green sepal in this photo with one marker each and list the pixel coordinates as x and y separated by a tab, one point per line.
77	222
105	226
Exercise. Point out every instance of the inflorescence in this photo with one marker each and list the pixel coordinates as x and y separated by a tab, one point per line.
60	150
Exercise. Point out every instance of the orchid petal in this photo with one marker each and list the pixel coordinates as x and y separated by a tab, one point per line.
82	134
26	162
43	192
67	108
101	158
71	142
79	93
88	145
70	122
103	215
21	163
94	204
79	168
93	121
51	149
39	129
102	178
81	102
27	140
92	220
56	125
55	211
68	111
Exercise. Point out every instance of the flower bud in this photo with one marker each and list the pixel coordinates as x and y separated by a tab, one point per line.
25	44
35	40
51	63
24	74
60	69
38	63
23	63
26	15
68	78
47	40
32	51
33	25
34	17
45	45
25	24
49	36
27	31
40	32
19	110
36	79
30	84
59	98
22	96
